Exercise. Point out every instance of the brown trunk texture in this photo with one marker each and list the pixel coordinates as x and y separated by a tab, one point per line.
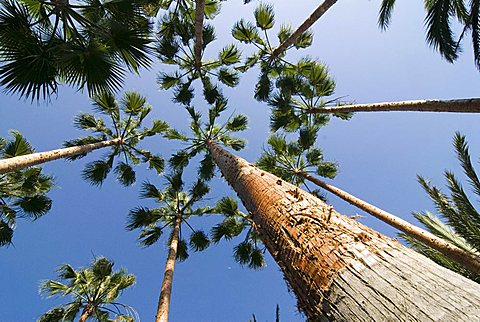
469	105
321	9
339	269
86	313
199	15
24	161
164	299
464	258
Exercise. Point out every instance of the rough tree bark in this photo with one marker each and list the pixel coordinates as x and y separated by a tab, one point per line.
86	313
164	299
199	15
469	105
24	161
321	9
339	269
460	256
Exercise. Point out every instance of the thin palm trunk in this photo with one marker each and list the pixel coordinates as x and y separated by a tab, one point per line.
164	299
24	161
471	105
199	15
86	313
338	268
321	9
464	258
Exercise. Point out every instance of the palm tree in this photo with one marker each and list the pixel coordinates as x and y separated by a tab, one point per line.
124	135
338	268
177	207
292	161
462	227
84	44
22	192
438	23
94	292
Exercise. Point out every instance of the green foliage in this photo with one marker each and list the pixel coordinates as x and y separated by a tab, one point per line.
126	118
89	46
462	227
22	192
97	287
288	160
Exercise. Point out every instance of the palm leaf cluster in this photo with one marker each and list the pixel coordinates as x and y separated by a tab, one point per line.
87	44
250	252
458	221
94	291
175	46
23	192
439	22
175	204
126	118
289	159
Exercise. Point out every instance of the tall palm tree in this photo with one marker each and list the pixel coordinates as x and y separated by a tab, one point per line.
87	44
462	227
94	291
176	208
22	192
293	162
338	268
123	137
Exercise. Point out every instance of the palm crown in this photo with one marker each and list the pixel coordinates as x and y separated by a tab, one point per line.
85	44
128	128
22	192
94	291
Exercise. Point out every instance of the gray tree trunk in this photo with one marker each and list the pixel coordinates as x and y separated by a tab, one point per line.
471	105
339	269
24	161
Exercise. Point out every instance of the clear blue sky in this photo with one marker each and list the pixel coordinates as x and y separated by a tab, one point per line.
379	156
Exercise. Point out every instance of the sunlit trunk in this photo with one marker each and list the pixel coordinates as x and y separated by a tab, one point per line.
86	313
321	9
339	269
470	105
24	161
199	15
164	299
464	258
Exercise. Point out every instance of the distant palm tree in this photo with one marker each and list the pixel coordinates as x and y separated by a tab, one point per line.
22	192
462	227
94	291
176	208
123	136
83	43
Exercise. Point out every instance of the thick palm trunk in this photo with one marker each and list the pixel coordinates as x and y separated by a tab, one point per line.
199	15
460	256
164	299
340	269
471	105
321	9
24	161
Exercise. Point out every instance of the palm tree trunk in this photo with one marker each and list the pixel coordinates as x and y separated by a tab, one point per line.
24	161
338	268
321	9
86	313
464	258
164	299
471	105
199	14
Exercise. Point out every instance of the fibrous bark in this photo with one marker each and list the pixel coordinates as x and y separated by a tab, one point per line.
470	105
164	299
24	161
321	9
338	268
199	15
464	258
